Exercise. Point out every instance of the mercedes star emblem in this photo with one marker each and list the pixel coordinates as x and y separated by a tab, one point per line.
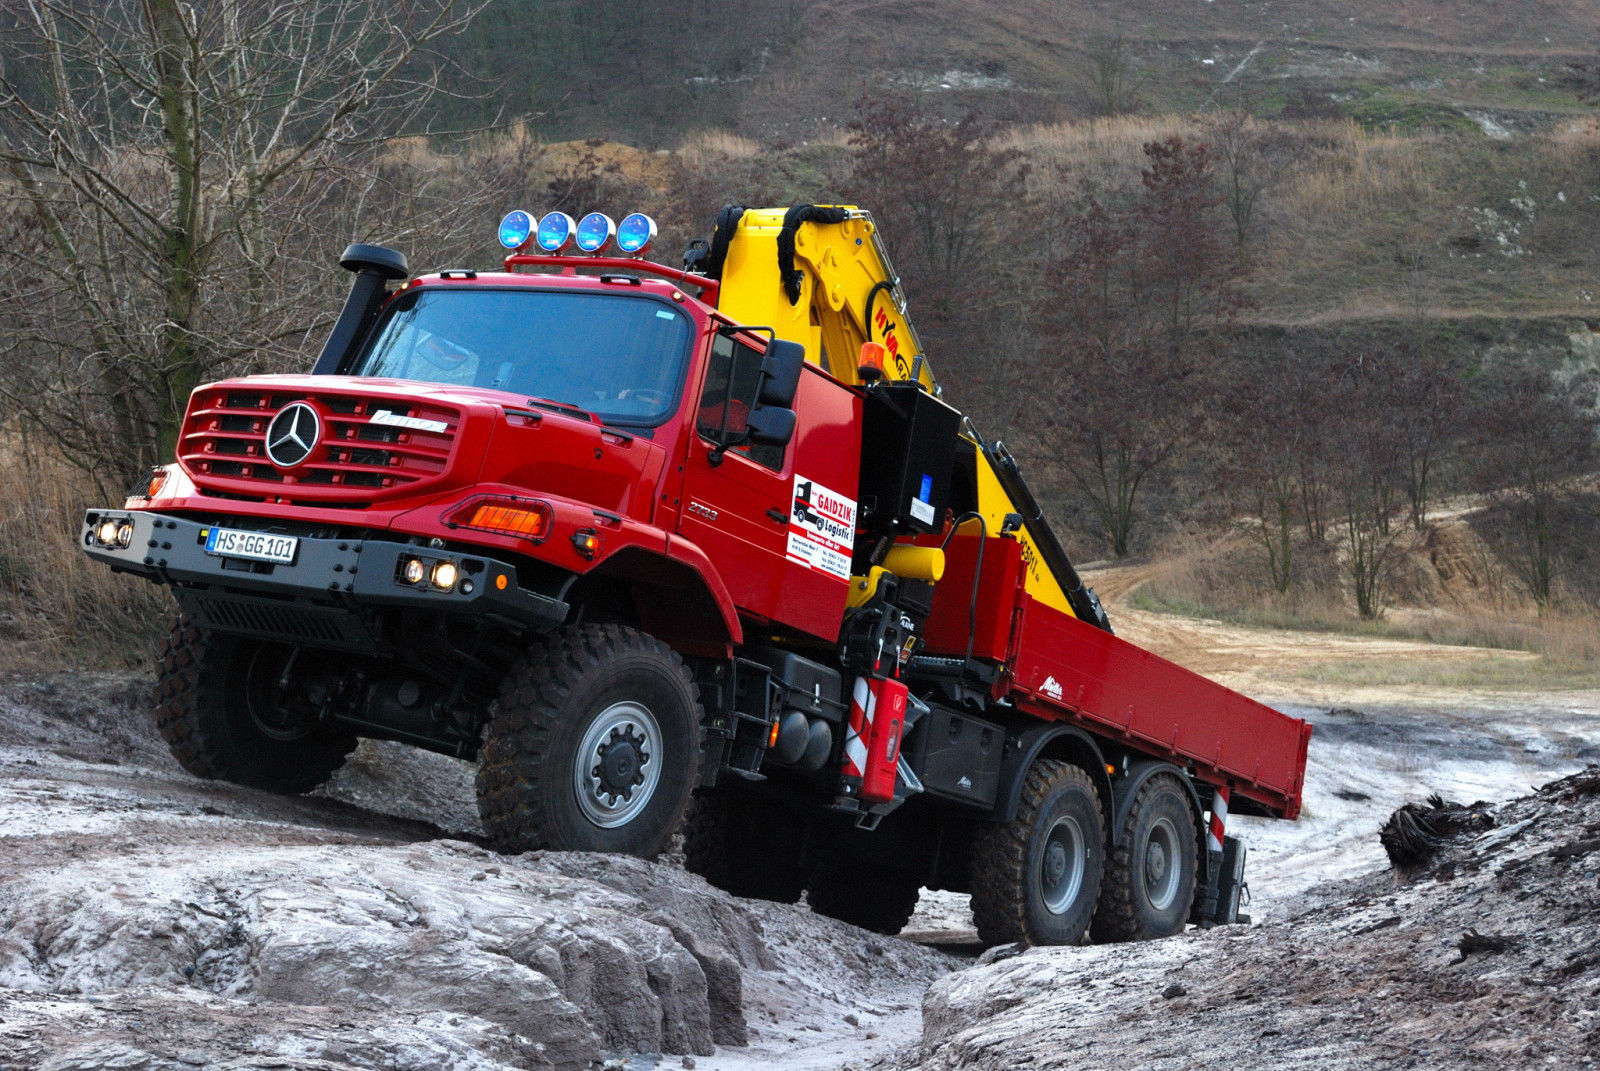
292	435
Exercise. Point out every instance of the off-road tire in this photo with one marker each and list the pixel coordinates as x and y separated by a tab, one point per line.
202	714
547	702
872	897
1125	911
744	845
1007	861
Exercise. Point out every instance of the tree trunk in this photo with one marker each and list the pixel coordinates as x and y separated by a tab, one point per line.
182	258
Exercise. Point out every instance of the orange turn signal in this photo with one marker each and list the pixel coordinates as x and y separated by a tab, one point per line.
525	518
586	541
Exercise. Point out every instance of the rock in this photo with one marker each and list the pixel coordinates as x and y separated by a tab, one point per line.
576	965
1173	991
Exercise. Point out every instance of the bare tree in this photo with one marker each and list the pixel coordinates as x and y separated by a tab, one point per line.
167	154
1366	475
951	200
1536	444
1252	158
1273	417
1139	293
1111	79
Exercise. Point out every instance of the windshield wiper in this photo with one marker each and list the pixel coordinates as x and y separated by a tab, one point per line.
564	408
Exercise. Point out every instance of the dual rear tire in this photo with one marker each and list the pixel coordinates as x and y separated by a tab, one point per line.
1045	878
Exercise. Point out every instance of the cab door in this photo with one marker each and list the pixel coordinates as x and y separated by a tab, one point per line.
776	521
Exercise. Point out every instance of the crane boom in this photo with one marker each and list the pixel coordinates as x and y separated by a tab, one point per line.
820	275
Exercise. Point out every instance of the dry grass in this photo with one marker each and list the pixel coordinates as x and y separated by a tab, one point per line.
708	146
1348	212
1218	580
58	608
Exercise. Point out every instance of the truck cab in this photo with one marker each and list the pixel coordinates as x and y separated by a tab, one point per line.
661	548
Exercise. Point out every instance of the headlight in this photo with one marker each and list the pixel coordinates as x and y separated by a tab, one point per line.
413	571
444	576
114	532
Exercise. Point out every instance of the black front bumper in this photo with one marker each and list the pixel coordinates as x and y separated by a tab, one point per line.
326	597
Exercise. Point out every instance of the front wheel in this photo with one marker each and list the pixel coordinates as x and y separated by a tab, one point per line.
592	745
247	711
1035	879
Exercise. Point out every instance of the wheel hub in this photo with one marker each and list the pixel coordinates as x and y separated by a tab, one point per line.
1155	864
618	764
621	762
1062	865
1162	870
1055	863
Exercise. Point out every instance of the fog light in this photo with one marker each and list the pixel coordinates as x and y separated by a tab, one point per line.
125	534
106	533
444	576
413	571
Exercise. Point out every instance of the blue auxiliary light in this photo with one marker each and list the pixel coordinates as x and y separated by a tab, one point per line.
594	231
515	229
635	233
556	231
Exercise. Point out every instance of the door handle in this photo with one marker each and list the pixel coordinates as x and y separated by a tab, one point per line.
778	515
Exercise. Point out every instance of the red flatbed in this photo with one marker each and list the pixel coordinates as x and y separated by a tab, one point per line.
1058	668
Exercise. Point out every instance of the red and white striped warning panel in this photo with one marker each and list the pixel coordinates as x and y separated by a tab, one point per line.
1219	820
872	742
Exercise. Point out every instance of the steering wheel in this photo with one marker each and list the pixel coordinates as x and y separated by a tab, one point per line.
440	354
653	398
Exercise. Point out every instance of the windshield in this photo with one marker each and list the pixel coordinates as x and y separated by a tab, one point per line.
617	356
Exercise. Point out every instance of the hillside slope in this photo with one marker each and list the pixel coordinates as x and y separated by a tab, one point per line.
636	70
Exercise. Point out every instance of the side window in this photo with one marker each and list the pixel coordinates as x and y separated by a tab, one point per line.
732	377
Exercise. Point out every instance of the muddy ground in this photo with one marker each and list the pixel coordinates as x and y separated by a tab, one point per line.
150	920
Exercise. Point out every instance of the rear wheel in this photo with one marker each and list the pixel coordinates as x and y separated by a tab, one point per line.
592	745
1150	880
872	897
246	711
744	845
1035	878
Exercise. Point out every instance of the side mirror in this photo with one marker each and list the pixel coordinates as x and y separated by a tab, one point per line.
780	373
770	426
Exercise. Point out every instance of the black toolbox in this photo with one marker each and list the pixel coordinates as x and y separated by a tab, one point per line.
957	756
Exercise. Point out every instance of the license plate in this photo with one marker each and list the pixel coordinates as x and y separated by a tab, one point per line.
229	543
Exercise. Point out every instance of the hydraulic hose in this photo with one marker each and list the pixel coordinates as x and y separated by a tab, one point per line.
977	572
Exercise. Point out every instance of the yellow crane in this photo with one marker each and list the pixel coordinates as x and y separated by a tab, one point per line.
819	275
